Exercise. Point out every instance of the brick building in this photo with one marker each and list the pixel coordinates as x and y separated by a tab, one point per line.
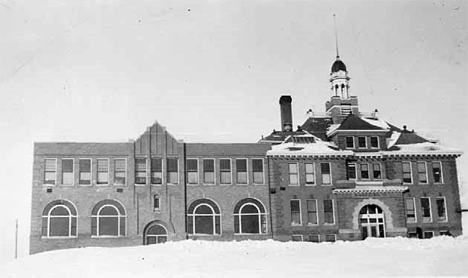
341	175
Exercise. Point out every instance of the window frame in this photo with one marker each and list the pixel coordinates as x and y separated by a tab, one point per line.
197	171
410	172
146	171
333	212
380	170
445	208
441	172
346	142
90	172
355	170
296	174
72	173
365	142
378	142
44	172
97	172
246	171
318	238
214	215
260	216
301	237
316	213
300	212
70	217
214	171
151	171
177	171
414	210
361	171
334	238
425	167
221	171
119	216
125	172
424	234
158	207
314	181
331	174
422	210
263	171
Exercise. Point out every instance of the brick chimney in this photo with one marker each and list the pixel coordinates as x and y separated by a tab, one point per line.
286	113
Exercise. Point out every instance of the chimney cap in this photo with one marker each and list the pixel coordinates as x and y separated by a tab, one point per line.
285	99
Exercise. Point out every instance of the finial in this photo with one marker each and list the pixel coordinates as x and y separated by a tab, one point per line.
336	38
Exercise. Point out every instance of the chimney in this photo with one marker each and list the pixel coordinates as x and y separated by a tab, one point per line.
286	113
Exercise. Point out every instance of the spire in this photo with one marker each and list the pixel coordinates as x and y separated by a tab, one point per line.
336	38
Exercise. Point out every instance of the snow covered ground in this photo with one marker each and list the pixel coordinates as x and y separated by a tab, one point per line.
440	256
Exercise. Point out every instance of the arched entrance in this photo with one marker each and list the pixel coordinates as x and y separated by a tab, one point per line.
156	233
371	221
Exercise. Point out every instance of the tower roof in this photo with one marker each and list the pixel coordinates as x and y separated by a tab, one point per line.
338	65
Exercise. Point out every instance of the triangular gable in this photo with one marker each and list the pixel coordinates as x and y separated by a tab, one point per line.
408	137
156	140
317	126
353	122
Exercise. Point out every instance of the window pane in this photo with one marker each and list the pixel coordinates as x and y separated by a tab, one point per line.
241	177
108	226
102	165
257	165
364	171
328	211
362	142
192	177
441	214
85	165
50	165
426	211
374	142
330	238
156	177
376	170
208	177
312	212
350	142
67	178
407	172
258	177
296	238
293	177
422	174
250	224
351	171
103	177
156	165
241	165
314	238
140	171
208	165
172	170
310	173
204	225
226	177
67	165
437	172
295	212
119	165
225	165
59	226
410	210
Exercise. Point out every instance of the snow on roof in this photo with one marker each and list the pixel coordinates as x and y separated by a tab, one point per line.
380	123
393	139
318	148
426	148
332	128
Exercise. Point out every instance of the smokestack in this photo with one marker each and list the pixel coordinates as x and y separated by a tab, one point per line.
286	113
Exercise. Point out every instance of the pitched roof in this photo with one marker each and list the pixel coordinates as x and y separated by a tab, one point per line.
317	126
353	122
409	137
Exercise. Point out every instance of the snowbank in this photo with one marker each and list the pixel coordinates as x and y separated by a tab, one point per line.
440	256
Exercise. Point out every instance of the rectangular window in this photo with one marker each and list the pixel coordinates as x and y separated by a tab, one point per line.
330	238
410	210
326	173
173	170
351	170
296	237
225	171
314	238
377	171
412	235
445	233
312	216
441	209
85	171
362	144
140	171
426	209
102	171
328	212
437	171
310	173
350	142
296	212
374	142
208	171
192	171
428	234
293	174
257	167
422	172
67	172
120	169
241	171
156	203
156	171
407	175
364	171
50	171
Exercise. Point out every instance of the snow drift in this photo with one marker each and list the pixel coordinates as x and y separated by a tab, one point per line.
440	256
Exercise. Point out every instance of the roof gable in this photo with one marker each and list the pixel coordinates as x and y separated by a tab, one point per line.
353	122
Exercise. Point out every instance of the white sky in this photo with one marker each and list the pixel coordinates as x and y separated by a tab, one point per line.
213	71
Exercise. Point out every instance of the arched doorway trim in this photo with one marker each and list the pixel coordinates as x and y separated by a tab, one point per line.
370	201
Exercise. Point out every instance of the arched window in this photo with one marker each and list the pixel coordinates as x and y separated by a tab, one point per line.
371	220
156	234
204	218
108	219
59	219
249	217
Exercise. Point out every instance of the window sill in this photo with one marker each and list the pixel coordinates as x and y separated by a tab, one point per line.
156	184
98	237
296	225
205	235
312	225
295	185
102	184
58	237
310	184
48	184
193	184
85	185
67	185
118	184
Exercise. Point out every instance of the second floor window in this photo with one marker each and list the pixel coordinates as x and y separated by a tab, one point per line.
208	171
172	170
351	169
102	171
241	171
328	212
310	173
257	167
85	171
362	142
120	169
377	171
312	216
410	210
426	209
293	174
140	171
350	142
192	171
374	142
67	172
441	211
295	212
422	172
326	173
156	171
437	171
225	171
407	176
50	171
364	171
